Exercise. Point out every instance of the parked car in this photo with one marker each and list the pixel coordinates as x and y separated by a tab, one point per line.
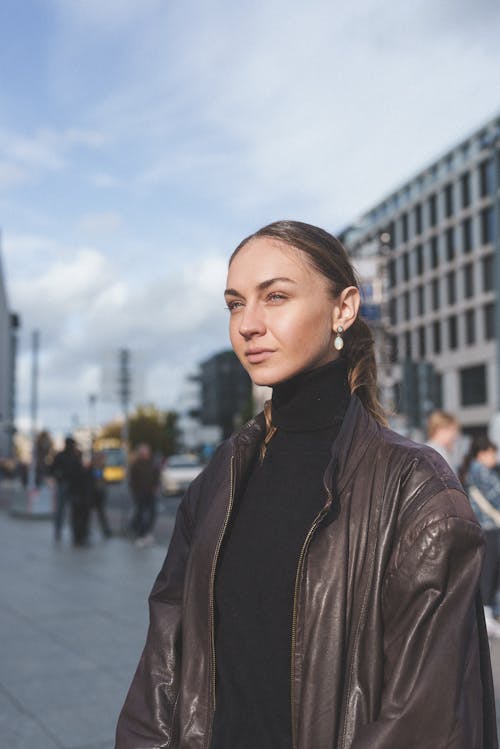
178	472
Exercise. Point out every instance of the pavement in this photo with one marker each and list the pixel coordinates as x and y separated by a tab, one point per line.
72	625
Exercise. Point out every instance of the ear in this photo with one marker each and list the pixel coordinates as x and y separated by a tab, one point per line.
346	308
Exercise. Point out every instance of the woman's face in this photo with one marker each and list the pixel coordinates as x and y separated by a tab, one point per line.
283	318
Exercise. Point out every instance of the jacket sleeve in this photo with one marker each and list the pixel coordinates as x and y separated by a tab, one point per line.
432	695
147	717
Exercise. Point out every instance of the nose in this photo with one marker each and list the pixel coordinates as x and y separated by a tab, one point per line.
251	322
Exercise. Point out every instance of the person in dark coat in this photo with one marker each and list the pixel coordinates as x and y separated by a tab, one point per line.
69	473
97	493
321	588
144	478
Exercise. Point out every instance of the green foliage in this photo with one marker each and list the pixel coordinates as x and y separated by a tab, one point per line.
113	430
147	424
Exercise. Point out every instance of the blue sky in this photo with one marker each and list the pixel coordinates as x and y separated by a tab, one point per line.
141	140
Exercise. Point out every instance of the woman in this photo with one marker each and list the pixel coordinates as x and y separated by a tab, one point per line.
483	487
319	591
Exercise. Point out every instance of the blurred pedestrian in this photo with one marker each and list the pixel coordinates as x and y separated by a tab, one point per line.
144	477
483	486
443	430
67	468
321	585
97	493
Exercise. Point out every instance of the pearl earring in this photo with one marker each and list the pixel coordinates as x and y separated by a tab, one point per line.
339	341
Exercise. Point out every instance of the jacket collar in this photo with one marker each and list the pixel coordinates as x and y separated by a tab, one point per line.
357	432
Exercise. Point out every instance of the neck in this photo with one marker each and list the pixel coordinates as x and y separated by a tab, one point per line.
312	400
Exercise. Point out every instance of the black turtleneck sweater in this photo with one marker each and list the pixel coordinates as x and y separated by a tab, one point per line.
255	580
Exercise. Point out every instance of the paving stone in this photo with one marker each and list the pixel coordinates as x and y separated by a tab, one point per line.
18	730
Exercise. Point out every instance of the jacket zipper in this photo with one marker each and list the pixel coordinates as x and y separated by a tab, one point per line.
212	605
298	579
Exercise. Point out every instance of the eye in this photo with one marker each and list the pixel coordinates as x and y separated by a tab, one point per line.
234	305
275	297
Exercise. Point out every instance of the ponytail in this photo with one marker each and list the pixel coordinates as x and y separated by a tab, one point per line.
270	429
362	368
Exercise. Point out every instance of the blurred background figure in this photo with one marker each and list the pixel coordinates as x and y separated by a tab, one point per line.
483	487
144	478
69	473
443	431
96	494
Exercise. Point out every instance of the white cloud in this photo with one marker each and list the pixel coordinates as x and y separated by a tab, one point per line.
12	175
44	150
87	310
100	223
103	179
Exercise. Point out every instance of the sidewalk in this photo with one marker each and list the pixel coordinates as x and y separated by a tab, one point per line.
72	626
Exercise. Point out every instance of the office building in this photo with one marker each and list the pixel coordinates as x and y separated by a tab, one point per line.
435	240
225	392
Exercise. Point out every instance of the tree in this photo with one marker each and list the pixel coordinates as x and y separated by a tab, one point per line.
113	430
147	424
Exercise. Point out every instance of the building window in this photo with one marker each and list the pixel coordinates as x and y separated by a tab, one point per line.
406	304
435	294
393	311
434	252
452	332
392	272
408	345
420	300
404	227
473	385
438	384
450	244
419	258
421	343
487	225
487	263
418	219
436	337
393	349
489	321
406	267
486	178
448	200
432	202
452	287
467	235
465	189
468	280
470	326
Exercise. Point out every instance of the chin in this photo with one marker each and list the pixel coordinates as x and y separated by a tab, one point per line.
269	379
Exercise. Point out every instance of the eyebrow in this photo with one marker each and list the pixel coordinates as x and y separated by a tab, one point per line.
262	285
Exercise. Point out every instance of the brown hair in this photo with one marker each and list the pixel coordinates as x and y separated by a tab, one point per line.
328	256
479	443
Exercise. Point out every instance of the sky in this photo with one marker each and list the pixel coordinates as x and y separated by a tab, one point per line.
141	140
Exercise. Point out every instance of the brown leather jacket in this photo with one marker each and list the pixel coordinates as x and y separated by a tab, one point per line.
389	649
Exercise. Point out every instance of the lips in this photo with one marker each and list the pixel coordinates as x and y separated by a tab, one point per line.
256	356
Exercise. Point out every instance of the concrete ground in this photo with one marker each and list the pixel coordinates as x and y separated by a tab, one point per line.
72	625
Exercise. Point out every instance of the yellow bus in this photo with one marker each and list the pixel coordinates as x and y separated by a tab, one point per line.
115	458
